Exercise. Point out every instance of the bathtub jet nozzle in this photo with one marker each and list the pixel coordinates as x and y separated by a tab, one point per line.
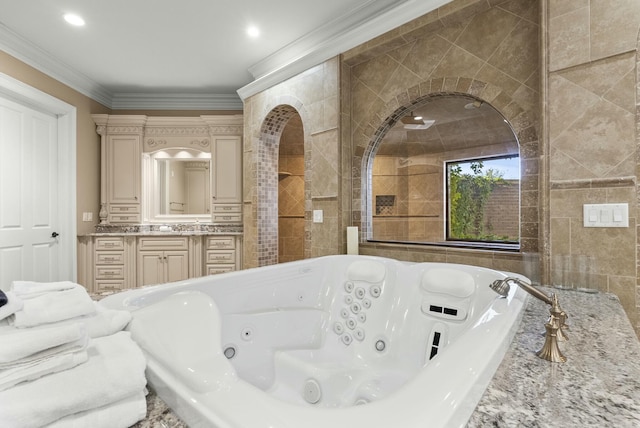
554	326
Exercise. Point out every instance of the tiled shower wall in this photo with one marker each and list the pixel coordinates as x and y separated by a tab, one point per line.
291	199
416	214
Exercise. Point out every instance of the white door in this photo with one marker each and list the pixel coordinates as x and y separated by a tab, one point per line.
37	185
28	194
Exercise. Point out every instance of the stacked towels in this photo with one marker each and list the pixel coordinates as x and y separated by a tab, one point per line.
64	361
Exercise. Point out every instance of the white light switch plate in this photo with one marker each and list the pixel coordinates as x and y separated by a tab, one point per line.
606	215
318	216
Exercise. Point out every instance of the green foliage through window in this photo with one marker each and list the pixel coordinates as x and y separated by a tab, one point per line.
470	186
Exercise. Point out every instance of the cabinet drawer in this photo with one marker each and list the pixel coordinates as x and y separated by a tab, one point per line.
103	286
227	208
124	209
227	218
162	244
221	256
124	218
104	258
216	269
110	243
110	272
221	242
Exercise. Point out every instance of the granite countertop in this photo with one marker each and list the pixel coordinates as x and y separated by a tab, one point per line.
172	229
599	385
167	234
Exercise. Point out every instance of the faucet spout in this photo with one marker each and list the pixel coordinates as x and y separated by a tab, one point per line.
501	286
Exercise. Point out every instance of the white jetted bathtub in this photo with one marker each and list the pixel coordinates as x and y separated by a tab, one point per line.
337	341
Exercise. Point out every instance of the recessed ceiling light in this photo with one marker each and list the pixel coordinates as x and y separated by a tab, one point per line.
74	19
253	31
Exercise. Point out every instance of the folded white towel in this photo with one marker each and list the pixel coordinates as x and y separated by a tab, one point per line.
29	289
121	414
35	370
27	345
114	371
52	307
13	305
104	322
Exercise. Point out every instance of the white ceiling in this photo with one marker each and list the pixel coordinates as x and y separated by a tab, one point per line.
189	53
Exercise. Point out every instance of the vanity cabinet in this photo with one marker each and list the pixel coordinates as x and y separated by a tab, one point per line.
141	158
162	260
180	172
109	267
114	262
221	254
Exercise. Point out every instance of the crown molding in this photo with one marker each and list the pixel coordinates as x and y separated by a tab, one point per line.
339	36
154	101
41	60
310	41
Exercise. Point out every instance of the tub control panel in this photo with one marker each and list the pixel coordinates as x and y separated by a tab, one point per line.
357	299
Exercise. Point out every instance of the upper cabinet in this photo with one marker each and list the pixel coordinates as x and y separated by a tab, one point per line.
227	180
120	179
170	169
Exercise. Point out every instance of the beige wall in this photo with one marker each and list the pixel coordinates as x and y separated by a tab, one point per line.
592	142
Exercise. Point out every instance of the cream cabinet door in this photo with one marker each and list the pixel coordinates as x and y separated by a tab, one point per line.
123	169
158	267
150	268
176	265
124	180
226	154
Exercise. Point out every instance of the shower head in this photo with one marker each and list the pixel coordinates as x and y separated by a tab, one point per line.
501	286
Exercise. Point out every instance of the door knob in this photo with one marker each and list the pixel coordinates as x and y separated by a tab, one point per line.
55	234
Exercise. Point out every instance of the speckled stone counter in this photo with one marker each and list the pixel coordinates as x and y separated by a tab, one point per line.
598	386
167	229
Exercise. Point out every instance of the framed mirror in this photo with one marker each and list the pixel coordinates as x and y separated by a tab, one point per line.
177	186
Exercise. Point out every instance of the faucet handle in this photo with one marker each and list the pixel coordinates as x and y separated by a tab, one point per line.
561	316
550	350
